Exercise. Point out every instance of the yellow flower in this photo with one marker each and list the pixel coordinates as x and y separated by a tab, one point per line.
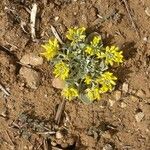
61	70
89	50
51	49
76	35
111	55
93	48
96	40
69	93
107	80
88	80
93	93
104	89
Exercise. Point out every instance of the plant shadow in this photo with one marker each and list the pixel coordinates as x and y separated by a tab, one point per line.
129	50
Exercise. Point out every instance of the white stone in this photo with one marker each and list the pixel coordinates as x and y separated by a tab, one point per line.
56	18
125	87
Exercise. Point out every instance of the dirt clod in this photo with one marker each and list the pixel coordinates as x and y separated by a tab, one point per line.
31	59
114	127
31	76
58	83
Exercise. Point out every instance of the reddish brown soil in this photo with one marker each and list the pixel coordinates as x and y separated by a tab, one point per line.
115	125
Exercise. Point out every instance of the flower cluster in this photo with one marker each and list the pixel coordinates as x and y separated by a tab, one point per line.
83	65
51	49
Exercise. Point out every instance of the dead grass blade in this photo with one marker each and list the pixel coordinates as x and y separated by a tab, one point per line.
56	34
60	111
33	20
4	90
131	18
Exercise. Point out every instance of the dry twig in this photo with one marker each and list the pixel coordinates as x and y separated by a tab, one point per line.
130	16
56	34
45	144
60	111
4	90
33	20
10	140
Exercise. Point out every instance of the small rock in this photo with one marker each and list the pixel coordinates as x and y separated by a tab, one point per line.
111	102
31	76
58	83
125	87
107	147
31	59
123	105
56	18
59	135
139	116
53	143
140	93
117	95
145	39
147	11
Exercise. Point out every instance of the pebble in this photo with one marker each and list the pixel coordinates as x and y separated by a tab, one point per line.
31	59
145	39
58	83
56	18
59	135
125	87
107	147
117	95
139	116
111	102
147	11
53	143
31	76
123	105
140	93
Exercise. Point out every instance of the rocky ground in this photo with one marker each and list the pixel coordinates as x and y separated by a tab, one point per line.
28	101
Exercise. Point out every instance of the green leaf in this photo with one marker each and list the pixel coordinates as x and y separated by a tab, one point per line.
85	99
